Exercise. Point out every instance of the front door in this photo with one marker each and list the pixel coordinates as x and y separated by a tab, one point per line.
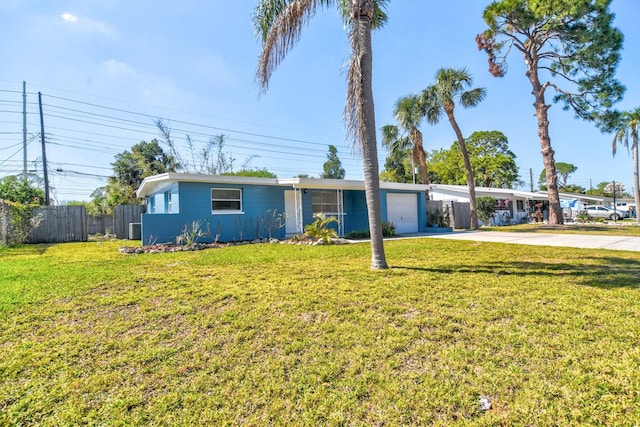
290	210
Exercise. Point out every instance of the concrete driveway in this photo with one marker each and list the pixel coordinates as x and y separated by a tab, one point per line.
621	243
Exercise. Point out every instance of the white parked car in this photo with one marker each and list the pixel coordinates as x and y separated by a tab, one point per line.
604	212
628	208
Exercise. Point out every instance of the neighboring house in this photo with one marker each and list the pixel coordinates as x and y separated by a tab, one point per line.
511	205
515	206
235	208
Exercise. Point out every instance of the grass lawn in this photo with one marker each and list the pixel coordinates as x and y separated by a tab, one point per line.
298	335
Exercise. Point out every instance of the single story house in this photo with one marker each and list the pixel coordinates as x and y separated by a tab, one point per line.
511	205
236	208
515	206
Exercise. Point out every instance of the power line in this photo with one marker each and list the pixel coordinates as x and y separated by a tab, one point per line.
187	123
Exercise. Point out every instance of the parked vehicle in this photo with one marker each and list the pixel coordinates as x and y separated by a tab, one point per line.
604	212
629	208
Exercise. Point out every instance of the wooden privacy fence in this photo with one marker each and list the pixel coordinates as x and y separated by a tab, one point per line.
6	233
125	215
102	224
59	224
459	212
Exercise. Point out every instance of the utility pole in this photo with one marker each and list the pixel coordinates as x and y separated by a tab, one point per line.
24	130
531	178
47	200
615	214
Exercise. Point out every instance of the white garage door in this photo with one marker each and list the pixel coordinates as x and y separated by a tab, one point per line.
402	210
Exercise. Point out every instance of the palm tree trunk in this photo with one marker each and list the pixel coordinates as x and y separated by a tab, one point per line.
416	137
636	179
467	166
368	132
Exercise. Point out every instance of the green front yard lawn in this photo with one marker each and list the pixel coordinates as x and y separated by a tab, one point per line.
296	335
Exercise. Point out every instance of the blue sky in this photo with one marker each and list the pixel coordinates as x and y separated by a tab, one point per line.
107	68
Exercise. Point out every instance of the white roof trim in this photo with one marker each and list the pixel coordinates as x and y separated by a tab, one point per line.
464	191
152	183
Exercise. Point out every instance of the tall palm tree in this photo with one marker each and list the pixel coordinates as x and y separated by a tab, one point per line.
409	112
440	99
629	128
279	24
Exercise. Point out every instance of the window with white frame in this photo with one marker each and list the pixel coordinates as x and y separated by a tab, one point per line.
226	200
168	203
325	202
520	205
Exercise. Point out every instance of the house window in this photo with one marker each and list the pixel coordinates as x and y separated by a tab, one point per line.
502	204
325	202
152	204
520	205
226	200
168	204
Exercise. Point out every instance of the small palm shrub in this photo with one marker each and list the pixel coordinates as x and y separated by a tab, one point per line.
320	228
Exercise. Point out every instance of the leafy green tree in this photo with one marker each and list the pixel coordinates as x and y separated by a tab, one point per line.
19	190
440	99
605	188
279	25
563	170
598	190
397	167
99	202
575	189
409	111
333	166
568	46
258	173
492	162
447	166
131	167
628	127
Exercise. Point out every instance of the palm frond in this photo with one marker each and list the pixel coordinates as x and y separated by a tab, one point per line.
378	19
409	112
353	109
627	128
279	23
265	14
473	97
430	100
390	133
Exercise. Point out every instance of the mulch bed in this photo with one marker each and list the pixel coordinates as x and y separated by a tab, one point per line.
169	247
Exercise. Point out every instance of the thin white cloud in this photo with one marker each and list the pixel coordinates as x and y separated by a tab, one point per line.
87	25
69	17
145	87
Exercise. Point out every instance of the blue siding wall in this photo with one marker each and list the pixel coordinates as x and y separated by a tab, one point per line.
192	202
357	217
